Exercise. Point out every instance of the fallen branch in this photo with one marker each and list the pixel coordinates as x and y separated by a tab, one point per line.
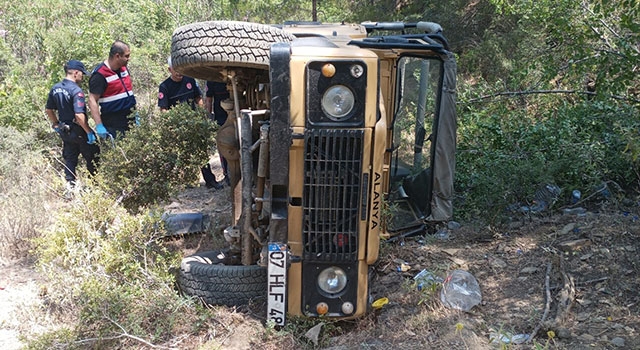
125	334
601	279
566	296
546	307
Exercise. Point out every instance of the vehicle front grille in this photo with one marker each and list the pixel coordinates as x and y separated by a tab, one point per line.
332	185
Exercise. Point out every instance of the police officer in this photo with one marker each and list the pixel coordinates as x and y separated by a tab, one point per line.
70	122
111	98
178	88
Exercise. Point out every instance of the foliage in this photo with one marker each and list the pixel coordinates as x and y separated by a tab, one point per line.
22	102
580	42
509	146
111	270
24	212
158	157
506	155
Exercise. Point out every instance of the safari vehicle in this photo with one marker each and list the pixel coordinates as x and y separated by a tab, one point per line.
338	136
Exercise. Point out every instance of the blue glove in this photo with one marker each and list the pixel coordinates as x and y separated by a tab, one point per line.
91	138
58	129
102	131
137	119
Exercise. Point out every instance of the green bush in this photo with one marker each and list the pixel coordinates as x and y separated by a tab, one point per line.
505	155
163	154
104	255
110	271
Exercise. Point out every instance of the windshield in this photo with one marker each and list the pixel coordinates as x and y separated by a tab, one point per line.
415	122
419	81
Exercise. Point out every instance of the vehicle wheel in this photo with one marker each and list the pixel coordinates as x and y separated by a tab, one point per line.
204	275
200	50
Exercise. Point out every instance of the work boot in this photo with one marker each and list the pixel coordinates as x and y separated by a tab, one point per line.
215	185
69	190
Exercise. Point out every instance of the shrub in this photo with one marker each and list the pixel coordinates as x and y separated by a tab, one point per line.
504	155
26	179
111	271
163	154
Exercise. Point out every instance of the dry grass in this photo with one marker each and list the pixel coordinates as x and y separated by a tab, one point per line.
29	188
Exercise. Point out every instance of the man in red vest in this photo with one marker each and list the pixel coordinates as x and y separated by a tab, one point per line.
111	99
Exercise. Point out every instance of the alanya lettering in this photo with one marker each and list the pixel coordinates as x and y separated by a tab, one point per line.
376	201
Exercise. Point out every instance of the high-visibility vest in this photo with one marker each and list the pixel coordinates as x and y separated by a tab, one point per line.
118	97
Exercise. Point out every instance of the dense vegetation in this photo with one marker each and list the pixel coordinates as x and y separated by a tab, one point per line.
549	93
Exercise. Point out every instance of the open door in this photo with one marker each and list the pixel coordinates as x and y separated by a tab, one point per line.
424	127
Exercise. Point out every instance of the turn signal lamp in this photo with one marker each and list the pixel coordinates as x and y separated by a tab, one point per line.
322	308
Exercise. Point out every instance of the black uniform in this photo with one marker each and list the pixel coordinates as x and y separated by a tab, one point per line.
68	99
218	92
173	92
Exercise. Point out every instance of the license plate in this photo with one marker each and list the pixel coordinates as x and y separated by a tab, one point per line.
277	283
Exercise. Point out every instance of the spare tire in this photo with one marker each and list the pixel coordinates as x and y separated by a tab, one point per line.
204	275
200	50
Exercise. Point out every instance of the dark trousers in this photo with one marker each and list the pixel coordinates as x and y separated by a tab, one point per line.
117	125
207	175
74	144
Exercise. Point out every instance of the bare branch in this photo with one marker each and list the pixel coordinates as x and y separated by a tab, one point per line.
533	92
604	24
124	334
546	307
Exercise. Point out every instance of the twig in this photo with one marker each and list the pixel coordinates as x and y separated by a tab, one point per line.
546	307
593	280
532	92
124	335
89	340
127	335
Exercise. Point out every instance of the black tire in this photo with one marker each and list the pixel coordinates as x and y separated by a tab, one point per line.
203	275
200	50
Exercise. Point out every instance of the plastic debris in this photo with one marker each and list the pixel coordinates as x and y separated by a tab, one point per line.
403	267
545	197
548	193
442	234
460	291
425	279
313	333
507	338
453	225
380	303
575	196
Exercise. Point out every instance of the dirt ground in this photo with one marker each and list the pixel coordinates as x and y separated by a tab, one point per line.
588	265
569	280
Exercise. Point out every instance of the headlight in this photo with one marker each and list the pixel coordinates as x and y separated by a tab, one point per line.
337	102
332	280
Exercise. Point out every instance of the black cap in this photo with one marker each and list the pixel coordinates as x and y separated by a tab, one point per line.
77	65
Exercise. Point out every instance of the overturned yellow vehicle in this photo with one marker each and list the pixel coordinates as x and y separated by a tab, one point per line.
338	136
